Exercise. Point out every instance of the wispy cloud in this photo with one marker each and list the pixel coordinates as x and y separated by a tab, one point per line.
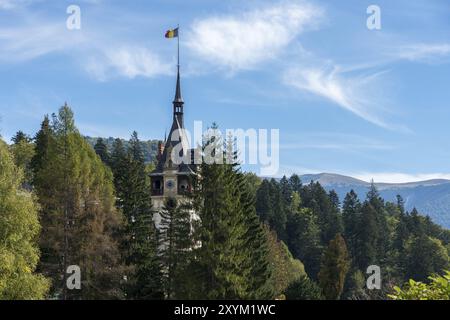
422	52
12	4
242	41
126	61
344	89
334	141
36	39
100	56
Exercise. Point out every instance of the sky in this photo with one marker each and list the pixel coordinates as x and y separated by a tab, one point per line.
372	104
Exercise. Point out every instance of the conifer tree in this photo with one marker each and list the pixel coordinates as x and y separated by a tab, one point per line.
334	268
285	269
79	220
19	229
19	137
175	246
425	256
351	214
383	240
304	236
101	149
141	233
255	244
223	261
304	289
23	152
367	242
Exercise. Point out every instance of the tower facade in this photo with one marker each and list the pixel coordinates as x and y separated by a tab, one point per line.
171	179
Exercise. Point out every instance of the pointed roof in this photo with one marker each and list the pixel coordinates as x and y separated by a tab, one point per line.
172	141
178	99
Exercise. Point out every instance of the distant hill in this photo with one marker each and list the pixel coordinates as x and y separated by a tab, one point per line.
150	147
430	197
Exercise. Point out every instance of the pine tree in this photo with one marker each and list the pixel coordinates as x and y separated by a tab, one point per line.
334	268
351	214
304	236
295	183
304	289
175	246
19	228
367	242
43	139
101	150
325	207
271	206
23	152
20	136
141	233
255	243
223	262
383	240
79	220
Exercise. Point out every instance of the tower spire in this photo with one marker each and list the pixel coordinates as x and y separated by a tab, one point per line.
178	98
178	101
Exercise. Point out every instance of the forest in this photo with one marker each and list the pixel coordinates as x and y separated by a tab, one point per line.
65	203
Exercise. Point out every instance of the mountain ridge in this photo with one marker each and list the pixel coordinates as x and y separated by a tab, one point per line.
430	197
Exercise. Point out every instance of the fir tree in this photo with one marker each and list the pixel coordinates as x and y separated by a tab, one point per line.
304	236
141	233
334	268
101	150
351	214
367	242
223	262
175	246
304	289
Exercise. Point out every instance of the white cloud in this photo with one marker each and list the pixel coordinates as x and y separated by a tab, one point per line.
37	39
351	92
243	41
422	52
12	4
127	61
101	57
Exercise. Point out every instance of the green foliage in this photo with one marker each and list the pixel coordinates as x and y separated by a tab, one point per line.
23	152
438	288
285	269
175	246
140	237
425	256
334	268
303	289
304	236
101	149
230	263
149	148
78	218
19	228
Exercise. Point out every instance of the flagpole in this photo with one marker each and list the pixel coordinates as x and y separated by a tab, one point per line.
178	38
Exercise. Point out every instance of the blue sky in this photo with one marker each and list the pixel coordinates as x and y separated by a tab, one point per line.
349	100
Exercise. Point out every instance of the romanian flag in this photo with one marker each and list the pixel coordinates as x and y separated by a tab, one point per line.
172	33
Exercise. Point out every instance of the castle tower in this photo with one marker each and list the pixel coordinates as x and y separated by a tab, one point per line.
169	179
